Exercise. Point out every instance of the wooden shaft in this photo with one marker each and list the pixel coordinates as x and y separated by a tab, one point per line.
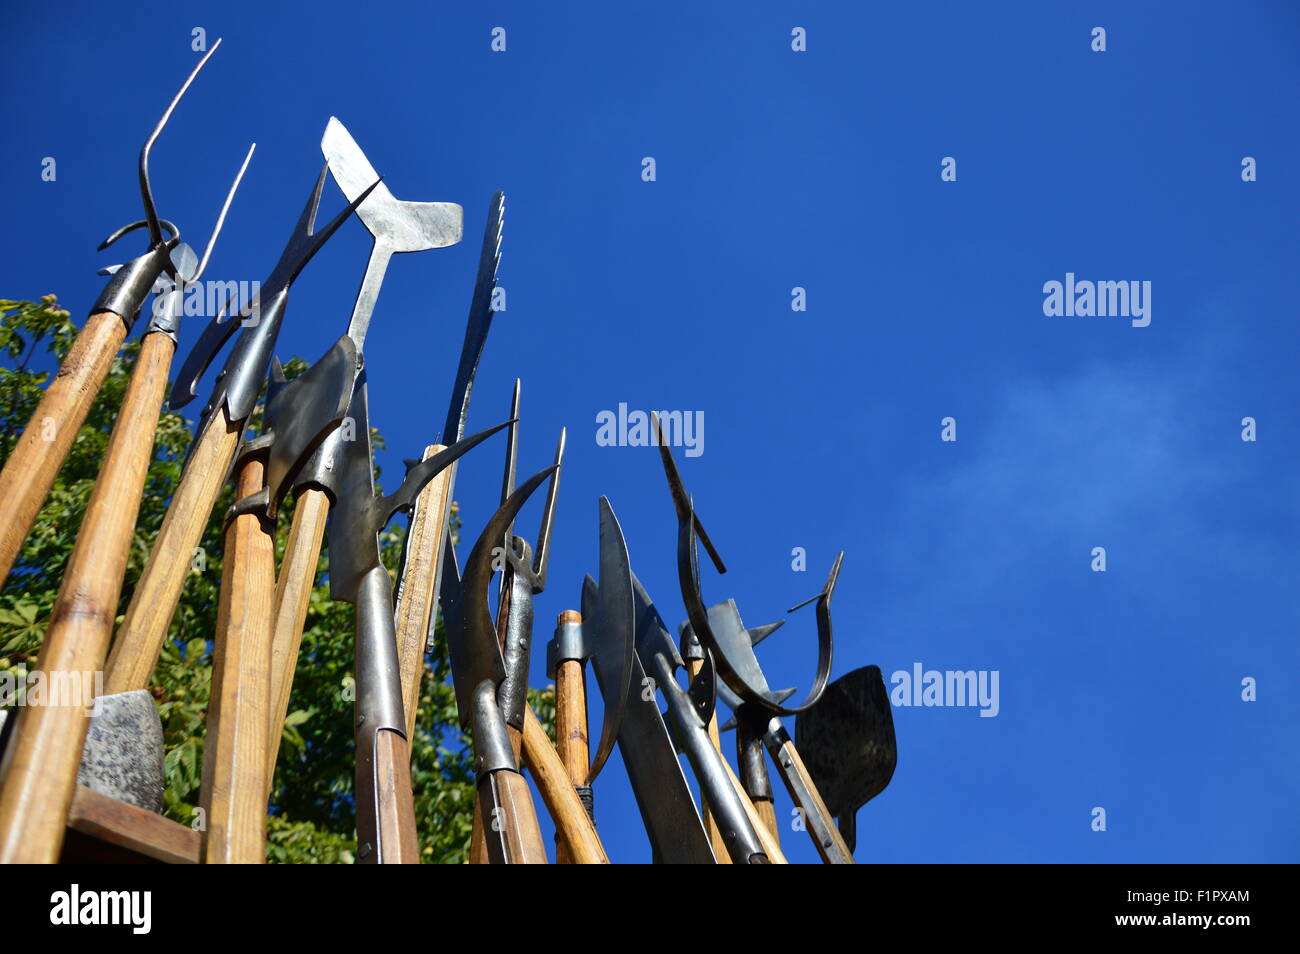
771	847
30	470
571	726
790	761
292	596
517	818
419	574
767	811
233	793
398	840
38	788
693	667
578	838
478	853
153	604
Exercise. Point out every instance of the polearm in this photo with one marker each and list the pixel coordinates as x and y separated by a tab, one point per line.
385	808
424	561
523	577
742	831
41	449
37	789
731	650
233	792
217	435
603	632
479	671
396	226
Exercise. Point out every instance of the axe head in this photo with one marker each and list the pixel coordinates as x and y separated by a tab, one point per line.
302	412
847	742
402	226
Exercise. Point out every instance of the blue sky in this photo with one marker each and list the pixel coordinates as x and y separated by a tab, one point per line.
818	169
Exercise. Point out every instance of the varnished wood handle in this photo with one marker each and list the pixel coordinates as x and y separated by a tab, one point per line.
693	667
38	788
771	847
153	603
571	741
423	564
399	842
233	794
791	765
292	597
514	819
577	832
767	812
30	470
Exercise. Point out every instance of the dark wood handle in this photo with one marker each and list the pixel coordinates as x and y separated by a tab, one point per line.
398	840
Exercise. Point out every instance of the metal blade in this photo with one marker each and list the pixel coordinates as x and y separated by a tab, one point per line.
479	322
663	796
613	635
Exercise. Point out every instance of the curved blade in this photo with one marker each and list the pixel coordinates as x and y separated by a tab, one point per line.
672	821
403	498
471	632
214	337
613	633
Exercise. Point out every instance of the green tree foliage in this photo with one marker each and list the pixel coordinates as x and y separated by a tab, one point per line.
312	816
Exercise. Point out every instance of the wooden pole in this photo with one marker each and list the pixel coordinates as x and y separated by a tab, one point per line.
233	793
153	604
30	470
38	788
578	839
571	741
292	597
420	574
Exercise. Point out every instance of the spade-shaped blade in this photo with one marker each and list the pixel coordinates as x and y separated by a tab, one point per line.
847	742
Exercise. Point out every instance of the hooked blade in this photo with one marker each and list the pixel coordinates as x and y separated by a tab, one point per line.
471	633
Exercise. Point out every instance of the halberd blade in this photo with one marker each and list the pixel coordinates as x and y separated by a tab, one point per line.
613	635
